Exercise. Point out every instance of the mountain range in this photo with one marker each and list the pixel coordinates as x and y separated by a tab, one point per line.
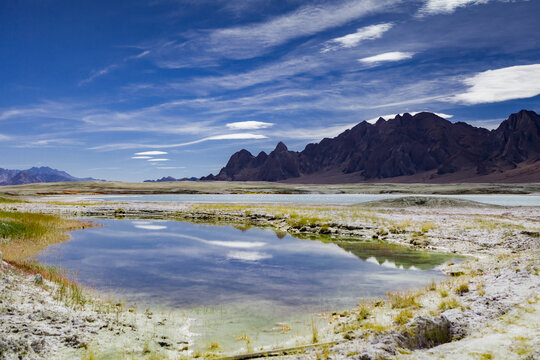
42	174
170	178
420	148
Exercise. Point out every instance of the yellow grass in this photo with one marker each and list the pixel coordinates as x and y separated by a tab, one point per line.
23	235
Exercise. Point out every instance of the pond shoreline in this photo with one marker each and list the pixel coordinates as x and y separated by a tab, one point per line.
503	241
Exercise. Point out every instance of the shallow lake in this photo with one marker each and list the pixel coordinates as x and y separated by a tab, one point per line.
494	199
237	281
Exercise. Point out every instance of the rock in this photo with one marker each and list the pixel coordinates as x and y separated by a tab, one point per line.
325	230
38	345
426	333
164	344
72	341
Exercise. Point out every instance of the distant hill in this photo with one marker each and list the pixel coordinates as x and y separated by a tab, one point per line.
35	175
170	178
419	148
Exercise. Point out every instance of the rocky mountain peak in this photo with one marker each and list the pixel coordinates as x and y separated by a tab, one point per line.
281	147
423	145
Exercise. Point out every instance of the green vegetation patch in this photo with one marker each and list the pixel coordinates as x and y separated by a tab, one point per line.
23	235
4	200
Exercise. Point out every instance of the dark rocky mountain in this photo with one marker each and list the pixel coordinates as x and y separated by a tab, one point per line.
170	178
423	147
35	175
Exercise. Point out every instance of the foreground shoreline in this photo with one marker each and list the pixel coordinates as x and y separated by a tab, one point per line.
502	277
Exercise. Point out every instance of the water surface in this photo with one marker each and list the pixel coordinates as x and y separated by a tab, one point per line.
240	281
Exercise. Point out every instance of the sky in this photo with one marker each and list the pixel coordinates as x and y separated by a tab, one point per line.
140	89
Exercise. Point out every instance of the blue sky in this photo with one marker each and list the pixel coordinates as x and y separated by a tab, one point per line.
135	90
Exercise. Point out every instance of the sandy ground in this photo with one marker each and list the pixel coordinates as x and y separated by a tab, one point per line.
497	317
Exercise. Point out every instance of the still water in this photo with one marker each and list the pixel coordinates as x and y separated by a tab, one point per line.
237	281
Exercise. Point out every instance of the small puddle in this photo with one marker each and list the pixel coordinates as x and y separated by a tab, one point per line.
238	283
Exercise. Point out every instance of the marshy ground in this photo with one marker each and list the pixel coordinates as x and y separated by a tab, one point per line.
488	307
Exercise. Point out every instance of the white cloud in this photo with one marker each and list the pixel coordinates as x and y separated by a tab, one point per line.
371	32
514	82
446	6
389	56
170	167
151	153
4	137
248	125
157	160
391	116
141	157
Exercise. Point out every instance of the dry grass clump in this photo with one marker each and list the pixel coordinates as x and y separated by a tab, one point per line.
68	291
462	289
449	304
363	313
403	317
402	300
432	286
426	226
493	224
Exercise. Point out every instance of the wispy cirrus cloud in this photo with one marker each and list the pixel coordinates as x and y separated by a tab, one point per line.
514	82
205	48
371	32
388	56
51	109
314	133
157	160
240	42
267	73
106	70
123	146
